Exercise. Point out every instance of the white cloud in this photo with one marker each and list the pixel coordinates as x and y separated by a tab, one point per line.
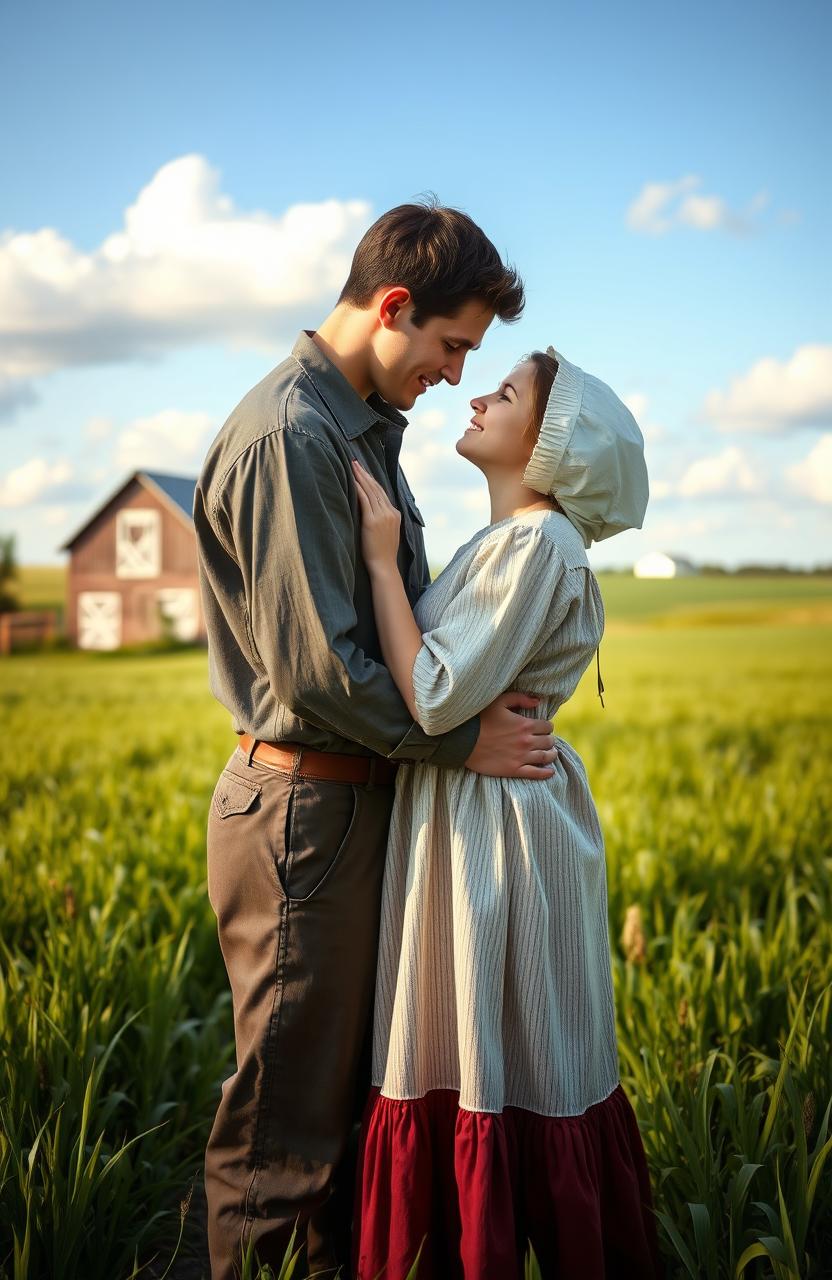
775	395
428	420
32	481
429	463
187	266
476	500
98	429
728	472
665	532
812	477
172	440
165	441
661	206
637	402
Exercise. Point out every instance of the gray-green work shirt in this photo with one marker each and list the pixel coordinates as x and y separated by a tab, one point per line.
293	648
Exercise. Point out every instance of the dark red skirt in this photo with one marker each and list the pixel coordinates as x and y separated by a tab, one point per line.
478	1187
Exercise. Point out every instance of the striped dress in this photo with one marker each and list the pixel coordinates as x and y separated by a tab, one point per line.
494	1053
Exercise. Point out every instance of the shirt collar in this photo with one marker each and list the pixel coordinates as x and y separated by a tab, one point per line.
353	414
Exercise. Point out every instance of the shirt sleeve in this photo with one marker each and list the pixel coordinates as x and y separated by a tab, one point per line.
287	509
517	592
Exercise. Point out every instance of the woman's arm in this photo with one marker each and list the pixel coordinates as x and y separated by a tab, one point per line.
513	598
398	632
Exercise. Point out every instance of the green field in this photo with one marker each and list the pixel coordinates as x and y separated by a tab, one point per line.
718	600
710	600
41	587
710	767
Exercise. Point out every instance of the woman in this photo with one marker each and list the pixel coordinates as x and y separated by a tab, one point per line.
497	1116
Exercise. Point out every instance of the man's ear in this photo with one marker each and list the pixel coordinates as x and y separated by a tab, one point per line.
390	304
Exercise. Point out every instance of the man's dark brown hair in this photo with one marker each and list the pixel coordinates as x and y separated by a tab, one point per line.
441	256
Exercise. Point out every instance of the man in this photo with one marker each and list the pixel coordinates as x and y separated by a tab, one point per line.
299	818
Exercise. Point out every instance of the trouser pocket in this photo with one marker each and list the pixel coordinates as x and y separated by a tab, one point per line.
301	970
321	820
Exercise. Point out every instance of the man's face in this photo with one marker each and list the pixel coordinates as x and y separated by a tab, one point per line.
408	359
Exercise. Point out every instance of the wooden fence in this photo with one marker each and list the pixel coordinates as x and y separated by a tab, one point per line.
26	629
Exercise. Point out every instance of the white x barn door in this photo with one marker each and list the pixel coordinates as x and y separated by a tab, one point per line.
99	620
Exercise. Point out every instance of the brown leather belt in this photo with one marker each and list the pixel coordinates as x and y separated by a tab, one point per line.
319	766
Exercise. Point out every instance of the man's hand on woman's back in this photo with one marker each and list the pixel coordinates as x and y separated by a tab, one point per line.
511	745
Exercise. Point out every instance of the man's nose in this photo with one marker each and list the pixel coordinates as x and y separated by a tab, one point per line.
452	371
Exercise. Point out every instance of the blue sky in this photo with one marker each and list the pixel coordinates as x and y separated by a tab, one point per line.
657	175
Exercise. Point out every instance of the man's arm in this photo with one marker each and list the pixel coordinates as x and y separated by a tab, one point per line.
286	511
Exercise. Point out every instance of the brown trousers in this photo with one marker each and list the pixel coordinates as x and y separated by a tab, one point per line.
294	877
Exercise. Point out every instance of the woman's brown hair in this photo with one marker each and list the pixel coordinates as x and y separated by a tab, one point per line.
545	369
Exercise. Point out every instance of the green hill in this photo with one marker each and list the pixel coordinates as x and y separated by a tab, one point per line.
42	587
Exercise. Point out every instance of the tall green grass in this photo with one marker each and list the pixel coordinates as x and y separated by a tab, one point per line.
710	768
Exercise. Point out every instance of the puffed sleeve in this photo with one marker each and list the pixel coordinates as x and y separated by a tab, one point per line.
516	593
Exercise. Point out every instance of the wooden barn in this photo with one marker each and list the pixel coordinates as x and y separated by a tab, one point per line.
133	567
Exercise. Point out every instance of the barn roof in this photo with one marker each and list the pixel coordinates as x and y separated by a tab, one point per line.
180	489
176	491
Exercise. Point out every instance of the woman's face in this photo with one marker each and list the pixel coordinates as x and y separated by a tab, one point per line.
499	435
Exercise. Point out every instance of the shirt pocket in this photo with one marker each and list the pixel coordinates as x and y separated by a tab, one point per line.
415	512
410	501
416	573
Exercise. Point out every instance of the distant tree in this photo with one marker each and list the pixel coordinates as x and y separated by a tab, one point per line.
8	574
713	570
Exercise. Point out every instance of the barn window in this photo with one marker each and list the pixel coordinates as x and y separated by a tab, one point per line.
138	543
